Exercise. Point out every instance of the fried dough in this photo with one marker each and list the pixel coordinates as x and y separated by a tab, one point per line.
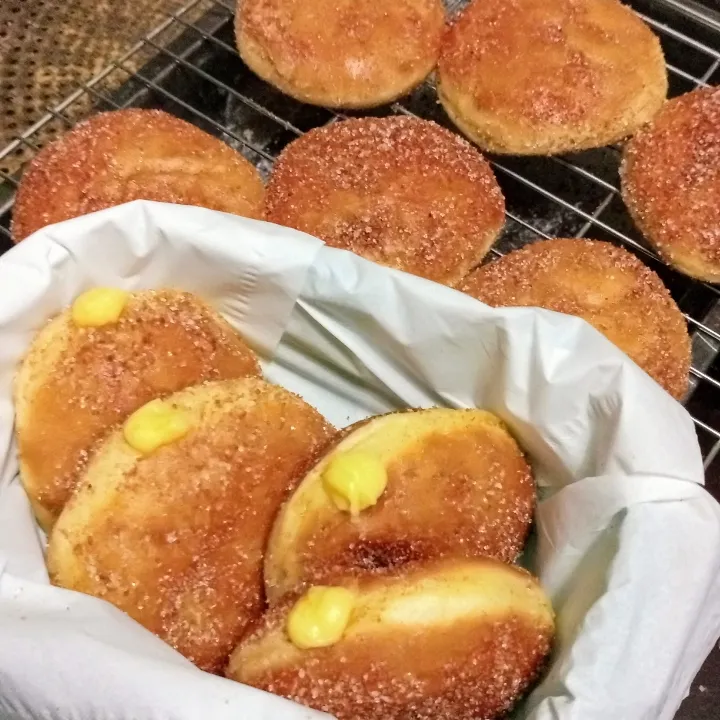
671	183
341	53
76	383
605	286
125	155
175	538
399	191
448	640
457	484
538	77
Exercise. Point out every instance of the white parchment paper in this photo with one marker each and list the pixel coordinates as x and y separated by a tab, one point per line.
628	541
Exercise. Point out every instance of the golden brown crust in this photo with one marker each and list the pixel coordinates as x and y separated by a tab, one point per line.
436	641
341	53
77	383
458	485
671	183
606	286
537	77
400	191
125	155
175	539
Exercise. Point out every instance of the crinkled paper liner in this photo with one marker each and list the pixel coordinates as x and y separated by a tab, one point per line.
627	540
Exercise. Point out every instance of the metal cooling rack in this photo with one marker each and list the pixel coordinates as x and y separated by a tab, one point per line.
190	68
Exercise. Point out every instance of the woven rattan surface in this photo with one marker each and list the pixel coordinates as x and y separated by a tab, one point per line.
47	47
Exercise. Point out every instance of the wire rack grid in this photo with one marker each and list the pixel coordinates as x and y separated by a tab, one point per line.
190	67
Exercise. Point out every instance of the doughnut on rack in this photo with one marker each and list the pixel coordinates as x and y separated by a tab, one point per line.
188	66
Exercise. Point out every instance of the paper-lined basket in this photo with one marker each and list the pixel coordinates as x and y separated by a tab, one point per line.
628	541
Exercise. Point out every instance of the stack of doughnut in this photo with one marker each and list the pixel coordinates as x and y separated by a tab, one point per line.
523	77
155	456
366	572
411	195
529	77
389	575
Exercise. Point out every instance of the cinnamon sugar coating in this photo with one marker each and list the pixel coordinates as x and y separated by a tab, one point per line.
671	183
457	485
125	155
537	77
75	384
341	53
400	191
449	640
606	286
176	538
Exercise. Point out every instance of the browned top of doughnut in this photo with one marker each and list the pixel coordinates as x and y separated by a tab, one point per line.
75	383
176	538
450	640
606	286
458	485
399	191
125	155
671	182
543	76
341	53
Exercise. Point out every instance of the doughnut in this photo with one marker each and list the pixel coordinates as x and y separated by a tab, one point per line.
671	183
97	362
399	191
604	285
403	487
341	53
171	515
539	77
452	638
125	155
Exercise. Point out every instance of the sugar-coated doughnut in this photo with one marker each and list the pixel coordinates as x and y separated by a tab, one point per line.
444	640
606	286
341	53
125	155
170	518
77	381
538	77
400	191
671	183
403	487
